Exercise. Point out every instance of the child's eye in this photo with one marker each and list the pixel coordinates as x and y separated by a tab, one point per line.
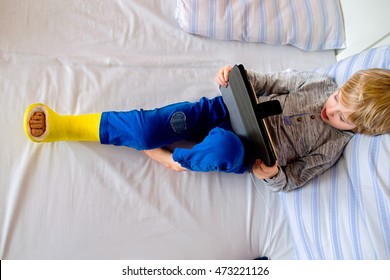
344	119
336	96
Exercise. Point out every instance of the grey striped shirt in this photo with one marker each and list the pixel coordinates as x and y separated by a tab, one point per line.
306	146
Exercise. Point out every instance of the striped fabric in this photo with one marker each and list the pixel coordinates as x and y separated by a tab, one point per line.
372	58
306	24
345	212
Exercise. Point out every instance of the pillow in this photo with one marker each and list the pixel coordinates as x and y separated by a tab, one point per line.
345	212
344	69
308	25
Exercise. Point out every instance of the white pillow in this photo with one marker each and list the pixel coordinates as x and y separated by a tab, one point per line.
345	212
306	24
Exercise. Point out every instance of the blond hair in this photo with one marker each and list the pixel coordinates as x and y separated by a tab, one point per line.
367	93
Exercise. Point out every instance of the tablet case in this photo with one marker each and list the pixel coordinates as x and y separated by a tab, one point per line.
247	117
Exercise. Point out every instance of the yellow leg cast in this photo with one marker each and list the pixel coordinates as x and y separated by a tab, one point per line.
63	127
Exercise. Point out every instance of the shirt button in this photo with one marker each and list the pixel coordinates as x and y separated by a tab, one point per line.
299	119
312	117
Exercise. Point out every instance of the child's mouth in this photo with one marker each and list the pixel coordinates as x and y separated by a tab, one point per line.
324	115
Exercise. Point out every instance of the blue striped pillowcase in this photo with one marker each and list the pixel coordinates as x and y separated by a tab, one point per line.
345	212
344	69
308	25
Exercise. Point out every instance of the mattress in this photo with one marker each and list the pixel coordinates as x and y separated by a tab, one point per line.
70	200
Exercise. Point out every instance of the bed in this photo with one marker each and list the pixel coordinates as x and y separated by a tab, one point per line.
88	201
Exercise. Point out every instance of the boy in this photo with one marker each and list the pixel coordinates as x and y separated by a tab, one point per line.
317	122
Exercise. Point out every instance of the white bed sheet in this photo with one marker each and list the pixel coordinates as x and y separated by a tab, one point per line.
89	201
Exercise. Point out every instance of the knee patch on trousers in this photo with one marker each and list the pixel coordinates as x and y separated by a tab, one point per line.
178	122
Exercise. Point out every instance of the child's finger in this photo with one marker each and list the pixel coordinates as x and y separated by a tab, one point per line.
226	74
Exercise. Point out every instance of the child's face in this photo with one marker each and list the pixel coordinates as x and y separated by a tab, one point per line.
336	114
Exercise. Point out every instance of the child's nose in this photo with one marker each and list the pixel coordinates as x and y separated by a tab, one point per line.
330	112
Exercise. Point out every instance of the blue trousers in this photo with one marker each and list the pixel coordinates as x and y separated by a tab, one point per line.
206	122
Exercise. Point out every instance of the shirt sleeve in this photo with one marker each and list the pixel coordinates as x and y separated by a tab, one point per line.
298	172
280	83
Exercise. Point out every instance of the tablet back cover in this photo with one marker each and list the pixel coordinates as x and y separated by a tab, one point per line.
240	99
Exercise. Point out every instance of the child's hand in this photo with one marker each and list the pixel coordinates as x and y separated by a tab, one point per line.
222	77
263	171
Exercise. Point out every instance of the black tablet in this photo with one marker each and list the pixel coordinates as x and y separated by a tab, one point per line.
247	117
